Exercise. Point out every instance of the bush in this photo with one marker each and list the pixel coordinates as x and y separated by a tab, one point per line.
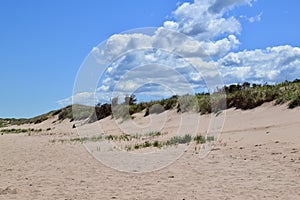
136	108
187	103
246	99
156	109
121	111
136	146
146	144
204	103
170	103
294	102
200	139
179	140
218	102
210	138
157	144
66	113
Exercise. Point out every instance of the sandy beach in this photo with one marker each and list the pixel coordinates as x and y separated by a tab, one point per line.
256	157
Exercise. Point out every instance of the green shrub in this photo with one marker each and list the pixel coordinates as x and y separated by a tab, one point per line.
157	144
156	109
121	111
111	137
187	103
147	144
295	102
154	134
179	140
199	139
169	103
124	137
186	139
210	138
204	104
218	102
136	108
66	113
136	146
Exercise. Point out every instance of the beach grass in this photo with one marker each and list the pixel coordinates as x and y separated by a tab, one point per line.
19	130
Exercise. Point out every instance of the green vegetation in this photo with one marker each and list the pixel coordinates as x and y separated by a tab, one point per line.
173	141
295	101
18	130
157	144
121	111
155	134
188	103
179	140
81	112
123	137
200	139
210	138
246	97
75	112
80	139
34	120
241	96
3	123
204	103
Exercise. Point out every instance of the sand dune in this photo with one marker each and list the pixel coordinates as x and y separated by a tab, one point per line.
256	157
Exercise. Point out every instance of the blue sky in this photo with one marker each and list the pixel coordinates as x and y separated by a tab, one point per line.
43	43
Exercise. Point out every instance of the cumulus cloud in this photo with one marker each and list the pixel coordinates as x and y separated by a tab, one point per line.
221	47
151	67
103	88
175	45
204	19
221	6
273	64
86	98
119	44
176	58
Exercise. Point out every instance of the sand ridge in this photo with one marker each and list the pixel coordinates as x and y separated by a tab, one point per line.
257	157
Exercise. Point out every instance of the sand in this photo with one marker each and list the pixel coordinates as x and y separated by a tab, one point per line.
256	157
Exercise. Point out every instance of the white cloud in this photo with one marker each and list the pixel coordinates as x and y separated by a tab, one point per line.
166	57
274	64
119	44
65	102
164	76
86	98
110	69
253	19
204	19
221	6
256	18
104	88
220	47
171	25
